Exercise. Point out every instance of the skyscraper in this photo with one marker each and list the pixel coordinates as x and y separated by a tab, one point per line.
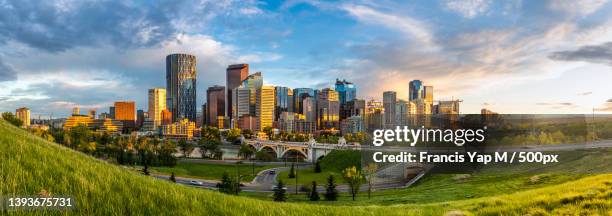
415	90
23	114
389	101
125	111
215	102
76	111
235	74
282	101
298	97
92	113
181	86
265	107
428	94
346	92
328	109
157	103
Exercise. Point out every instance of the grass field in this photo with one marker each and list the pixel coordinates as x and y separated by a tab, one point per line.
30	165
332	164
210	171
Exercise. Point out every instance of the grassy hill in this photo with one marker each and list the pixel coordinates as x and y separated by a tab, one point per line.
29	165
332	164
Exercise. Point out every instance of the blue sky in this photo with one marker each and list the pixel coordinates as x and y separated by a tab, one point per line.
508	56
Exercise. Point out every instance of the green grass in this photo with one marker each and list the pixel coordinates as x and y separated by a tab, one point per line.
29	165
192	169
332	164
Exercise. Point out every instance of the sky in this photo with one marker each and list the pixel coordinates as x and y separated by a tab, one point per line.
507	56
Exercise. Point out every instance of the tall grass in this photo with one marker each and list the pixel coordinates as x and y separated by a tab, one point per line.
29	165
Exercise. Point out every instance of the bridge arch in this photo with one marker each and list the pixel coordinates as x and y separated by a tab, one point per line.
300	151
270	149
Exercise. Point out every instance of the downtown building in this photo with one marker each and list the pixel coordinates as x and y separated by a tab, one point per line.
157	103
23	114
244	101
215	106
346	92
389	102
125	111
235	75
328	110
181	86
265	98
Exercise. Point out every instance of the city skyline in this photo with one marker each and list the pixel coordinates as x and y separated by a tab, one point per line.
537	57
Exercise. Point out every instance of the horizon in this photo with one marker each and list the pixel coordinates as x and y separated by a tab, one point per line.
510	57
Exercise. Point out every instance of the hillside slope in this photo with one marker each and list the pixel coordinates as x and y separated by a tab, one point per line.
29	165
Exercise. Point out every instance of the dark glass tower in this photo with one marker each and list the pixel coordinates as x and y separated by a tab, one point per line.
181	86
415	90
347	92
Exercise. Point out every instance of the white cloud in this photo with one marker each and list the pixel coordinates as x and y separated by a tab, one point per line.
470	8
407	25
579	7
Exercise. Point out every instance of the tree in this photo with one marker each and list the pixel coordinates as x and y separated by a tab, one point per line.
233	135
173	178
280	194
247	133
228	185
263	155
370	171
145	170
209	147
331	194
314	195
9	117
210	133
292	171
268	131
186	147
353	178
317	168
246	151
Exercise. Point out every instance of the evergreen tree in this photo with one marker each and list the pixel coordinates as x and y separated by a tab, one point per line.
292	171
279	192
331	194
225	184
173	178
145	170
317	168
314	195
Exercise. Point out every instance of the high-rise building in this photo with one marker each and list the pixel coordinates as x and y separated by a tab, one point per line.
23	114
183	129
265	107
389	101
428	94
328	109
298	97
215	102
235	74
241	102
402	111
166	117
415	90
140	118
374	114
76	111
181	86
346	92
125	111
111	112
157	103
355	107
282	101
92	113
309	109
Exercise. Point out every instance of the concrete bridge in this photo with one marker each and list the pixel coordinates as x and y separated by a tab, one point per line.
310	150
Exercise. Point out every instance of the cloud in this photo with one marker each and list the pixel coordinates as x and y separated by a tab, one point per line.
407	25
468	9
558	105
6	72
582	7
585	93
605	107
601	54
